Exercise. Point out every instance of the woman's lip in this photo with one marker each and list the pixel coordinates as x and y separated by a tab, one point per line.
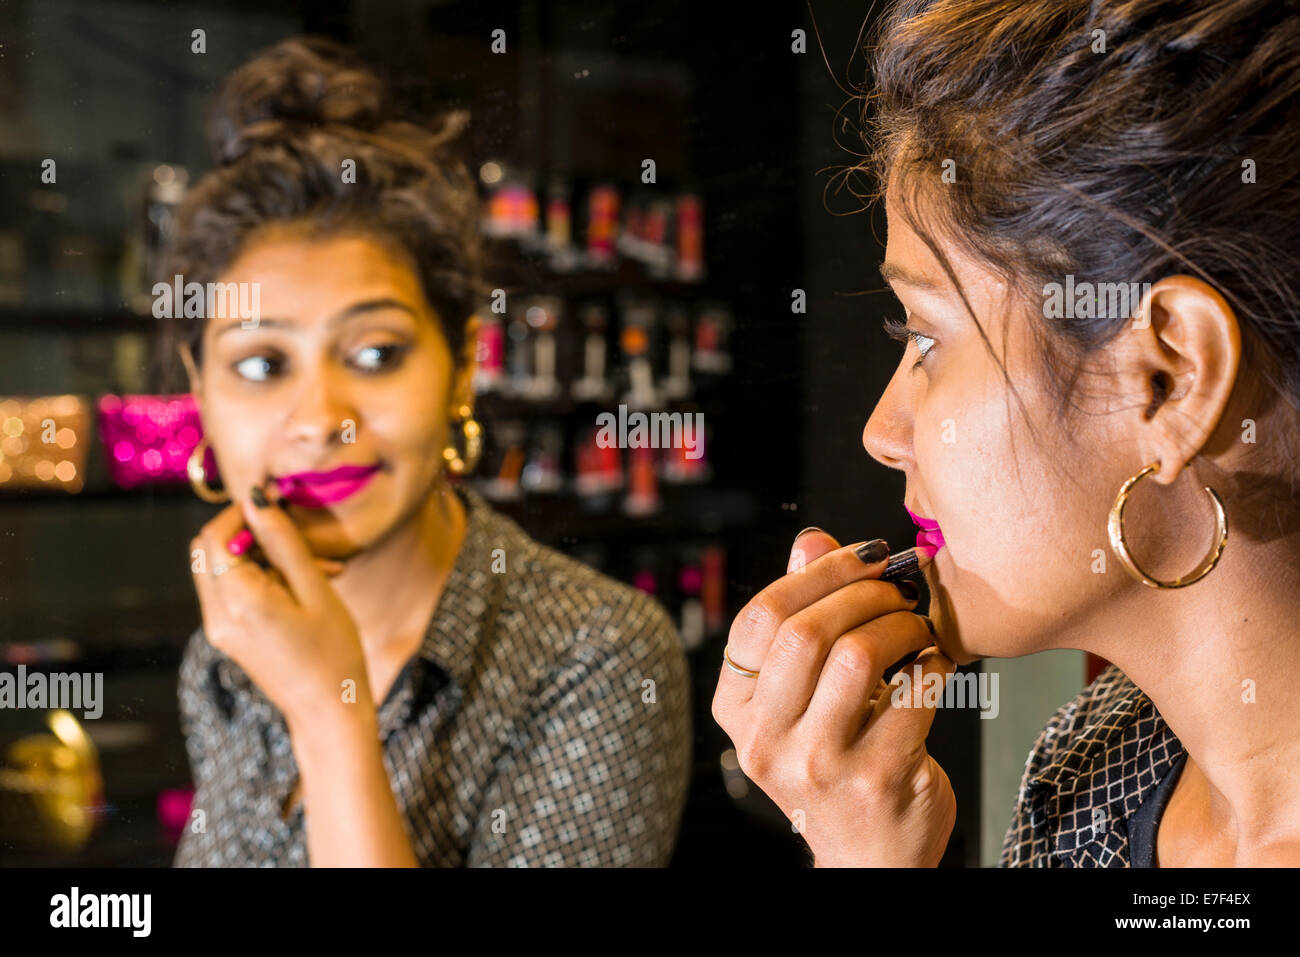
930	538
319	489
340	474
928	535
920	521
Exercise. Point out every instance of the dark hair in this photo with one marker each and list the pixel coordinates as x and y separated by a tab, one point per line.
1125	164
281	127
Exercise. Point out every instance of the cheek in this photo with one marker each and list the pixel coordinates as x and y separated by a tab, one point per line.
1008	503
964	455
407	419
240	437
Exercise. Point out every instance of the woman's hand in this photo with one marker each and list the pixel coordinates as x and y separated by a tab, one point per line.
817	731
284	625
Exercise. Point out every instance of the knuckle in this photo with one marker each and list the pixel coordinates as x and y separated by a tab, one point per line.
871	783
753	758
796	635
718	710
855	657
760	614
927	778
818	773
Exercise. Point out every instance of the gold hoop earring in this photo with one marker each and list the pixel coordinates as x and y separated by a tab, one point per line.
1115	528
199	477
457	463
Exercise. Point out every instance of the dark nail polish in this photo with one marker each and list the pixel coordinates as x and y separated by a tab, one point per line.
929	624
873	551
258	497
810	528
911	590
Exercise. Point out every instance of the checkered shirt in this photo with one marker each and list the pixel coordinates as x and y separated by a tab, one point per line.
545	721
1091	768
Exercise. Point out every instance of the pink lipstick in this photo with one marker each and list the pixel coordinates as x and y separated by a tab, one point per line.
319	489
928	535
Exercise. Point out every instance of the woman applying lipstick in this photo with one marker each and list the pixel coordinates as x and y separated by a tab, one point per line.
388	672
1084	464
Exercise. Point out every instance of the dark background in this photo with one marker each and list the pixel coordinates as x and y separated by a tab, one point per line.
712	92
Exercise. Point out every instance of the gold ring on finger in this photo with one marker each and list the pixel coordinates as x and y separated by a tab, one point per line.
220	568
743	672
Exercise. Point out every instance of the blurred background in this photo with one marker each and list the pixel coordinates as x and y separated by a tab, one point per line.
681	295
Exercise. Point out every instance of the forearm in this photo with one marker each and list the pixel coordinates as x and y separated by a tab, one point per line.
351	815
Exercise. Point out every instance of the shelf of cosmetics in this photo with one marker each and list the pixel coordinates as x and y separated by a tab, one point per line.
526	459
148	439
661	230
535	352
575	226
689	580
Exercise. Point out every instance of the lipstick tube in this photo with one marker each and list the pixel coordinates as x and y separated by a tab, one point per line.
908	564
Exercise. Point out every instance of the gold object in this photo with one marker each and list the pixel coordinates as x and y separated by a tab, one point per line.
456	464
743	672
54	780
220	568
43	441
199	478
1115	529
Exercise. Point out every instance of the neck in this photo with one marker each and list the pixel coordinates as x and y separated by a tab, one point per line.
1219	659
392	588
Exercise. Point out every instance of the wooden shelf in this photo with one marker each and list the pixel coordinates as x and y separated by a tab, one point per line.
116	321
686	511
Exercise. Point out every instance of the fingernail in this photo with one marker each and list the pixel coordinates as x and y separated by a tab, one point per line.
911	591
258	497
873	551
242	541
810	528
930	624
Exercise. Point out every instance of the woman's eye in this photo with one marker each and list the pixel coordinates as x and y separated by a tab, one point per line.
256	368
901	332
378	358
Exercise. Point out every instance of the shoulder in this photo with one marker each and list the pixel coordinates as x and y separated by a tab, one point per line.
197	660
1092	762
572	608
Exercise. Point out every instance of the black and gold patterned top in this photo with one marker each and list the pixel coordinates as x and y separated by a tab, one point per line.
1095	782
545	721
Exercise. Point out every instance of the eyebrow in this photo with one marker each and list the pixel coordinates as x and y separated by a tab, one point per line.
893	273
351	312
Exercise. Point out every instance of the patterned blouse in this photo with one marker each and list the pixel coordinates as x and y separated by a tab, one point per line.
545	721
1101	759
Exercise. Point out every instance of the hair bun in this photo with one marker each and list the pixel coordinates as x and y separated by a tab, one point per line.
300	82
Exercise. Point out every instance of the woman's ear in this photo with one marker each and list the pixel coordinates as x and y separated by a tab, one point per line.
191	371
462	391
1187	351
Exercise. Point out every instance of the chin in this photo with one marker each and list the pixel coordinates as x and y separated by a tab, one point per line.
948	638
329	537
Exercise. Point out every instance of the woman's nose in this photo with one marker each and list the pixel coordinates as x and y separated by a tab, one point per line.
887	436
320	411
